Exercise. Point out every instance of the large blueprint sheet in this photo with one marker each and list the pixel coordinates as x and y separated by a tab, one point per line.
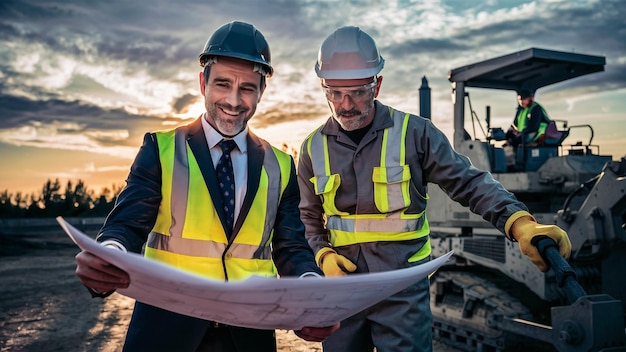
262	303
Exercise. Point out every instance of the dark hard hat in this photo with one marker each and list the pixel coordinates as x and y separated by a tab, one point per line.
525	93
239	40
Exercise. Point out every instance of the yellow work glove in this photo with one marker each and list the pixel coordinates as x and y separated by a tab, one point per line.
333	264
525	228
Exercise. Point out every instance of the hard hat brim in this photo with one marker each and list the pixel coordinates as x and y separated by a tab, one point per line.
349	74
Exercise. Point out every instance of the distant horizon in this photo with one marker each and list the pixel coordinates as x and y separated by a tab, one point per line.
39	190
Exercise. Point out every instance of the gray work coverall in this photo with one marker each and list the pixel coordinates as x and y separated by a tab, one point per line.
403	321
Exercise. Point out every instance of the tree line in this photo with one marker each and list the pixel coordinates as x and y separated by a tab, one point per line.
75	200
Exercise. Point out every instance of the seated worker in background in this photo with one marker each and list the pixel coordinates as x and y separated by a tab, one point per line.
530	121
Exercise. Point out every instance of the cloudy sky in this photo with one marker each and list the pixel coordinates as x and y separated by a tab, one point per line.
81	81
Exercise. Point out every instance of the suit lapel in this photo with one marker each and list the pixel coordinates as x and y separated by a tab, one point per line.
256	154
200	149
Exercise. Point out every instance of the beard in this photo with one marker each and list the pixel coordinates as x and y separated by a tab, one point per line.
227	127
352	119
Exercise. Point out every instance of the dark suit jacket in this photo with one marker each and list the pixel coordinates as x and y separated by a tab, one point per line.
135	211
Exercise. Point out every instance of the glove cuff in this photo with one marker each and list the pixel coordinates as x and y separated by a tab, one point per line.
509	223
321	254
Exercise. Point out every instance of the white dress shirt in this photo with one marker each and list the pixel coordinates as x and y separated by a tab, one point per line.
239	158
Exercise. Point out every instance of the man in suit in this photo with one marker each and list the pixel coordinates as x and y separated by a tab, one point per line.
175	208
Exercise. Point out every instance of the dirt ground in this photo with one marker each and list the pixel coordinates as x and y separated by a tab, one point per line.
43	306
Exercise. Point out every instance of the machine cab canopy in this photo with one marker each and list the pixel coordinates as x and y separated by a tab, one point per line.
531	68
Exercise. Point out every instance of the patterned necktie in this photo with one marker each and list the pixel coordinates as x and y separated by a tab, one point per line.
226	179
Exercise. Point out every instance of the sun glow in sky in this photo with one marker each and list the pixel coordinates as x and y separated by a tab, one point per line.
81	82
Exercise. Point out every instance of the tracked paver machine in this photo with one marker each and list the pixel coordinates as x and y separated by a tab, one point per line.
491	297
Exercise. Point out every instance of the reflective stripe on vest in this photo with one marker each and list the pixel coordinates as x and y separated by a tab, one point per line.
188	233
391	182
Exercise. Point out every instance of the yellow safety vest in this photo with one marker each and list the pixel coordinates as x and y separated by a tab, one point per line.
391	194
188	233
525	114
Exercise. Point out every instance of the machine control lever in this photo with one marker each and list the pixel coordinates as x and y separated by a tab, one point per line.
565	275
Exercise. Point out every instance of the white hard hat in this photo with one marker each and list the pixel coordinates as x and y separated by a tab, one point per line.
348	53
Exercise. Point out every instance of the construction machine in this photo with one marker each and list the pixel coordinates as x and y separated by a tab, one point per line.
490	297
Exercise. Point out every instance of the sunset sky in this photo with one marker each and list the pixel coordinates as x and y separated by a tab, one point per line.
81	81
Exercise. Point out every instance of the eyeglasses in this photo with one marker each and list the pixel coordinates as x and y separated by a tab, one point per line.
356	93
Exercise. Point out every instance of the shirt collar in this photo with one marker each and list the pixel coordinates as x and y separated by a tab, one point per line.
213	137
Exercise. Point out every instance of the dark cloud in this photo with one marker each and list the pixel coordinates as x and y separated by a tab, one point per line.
16	112
20	10
288	113
432	47
181	104
8	31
